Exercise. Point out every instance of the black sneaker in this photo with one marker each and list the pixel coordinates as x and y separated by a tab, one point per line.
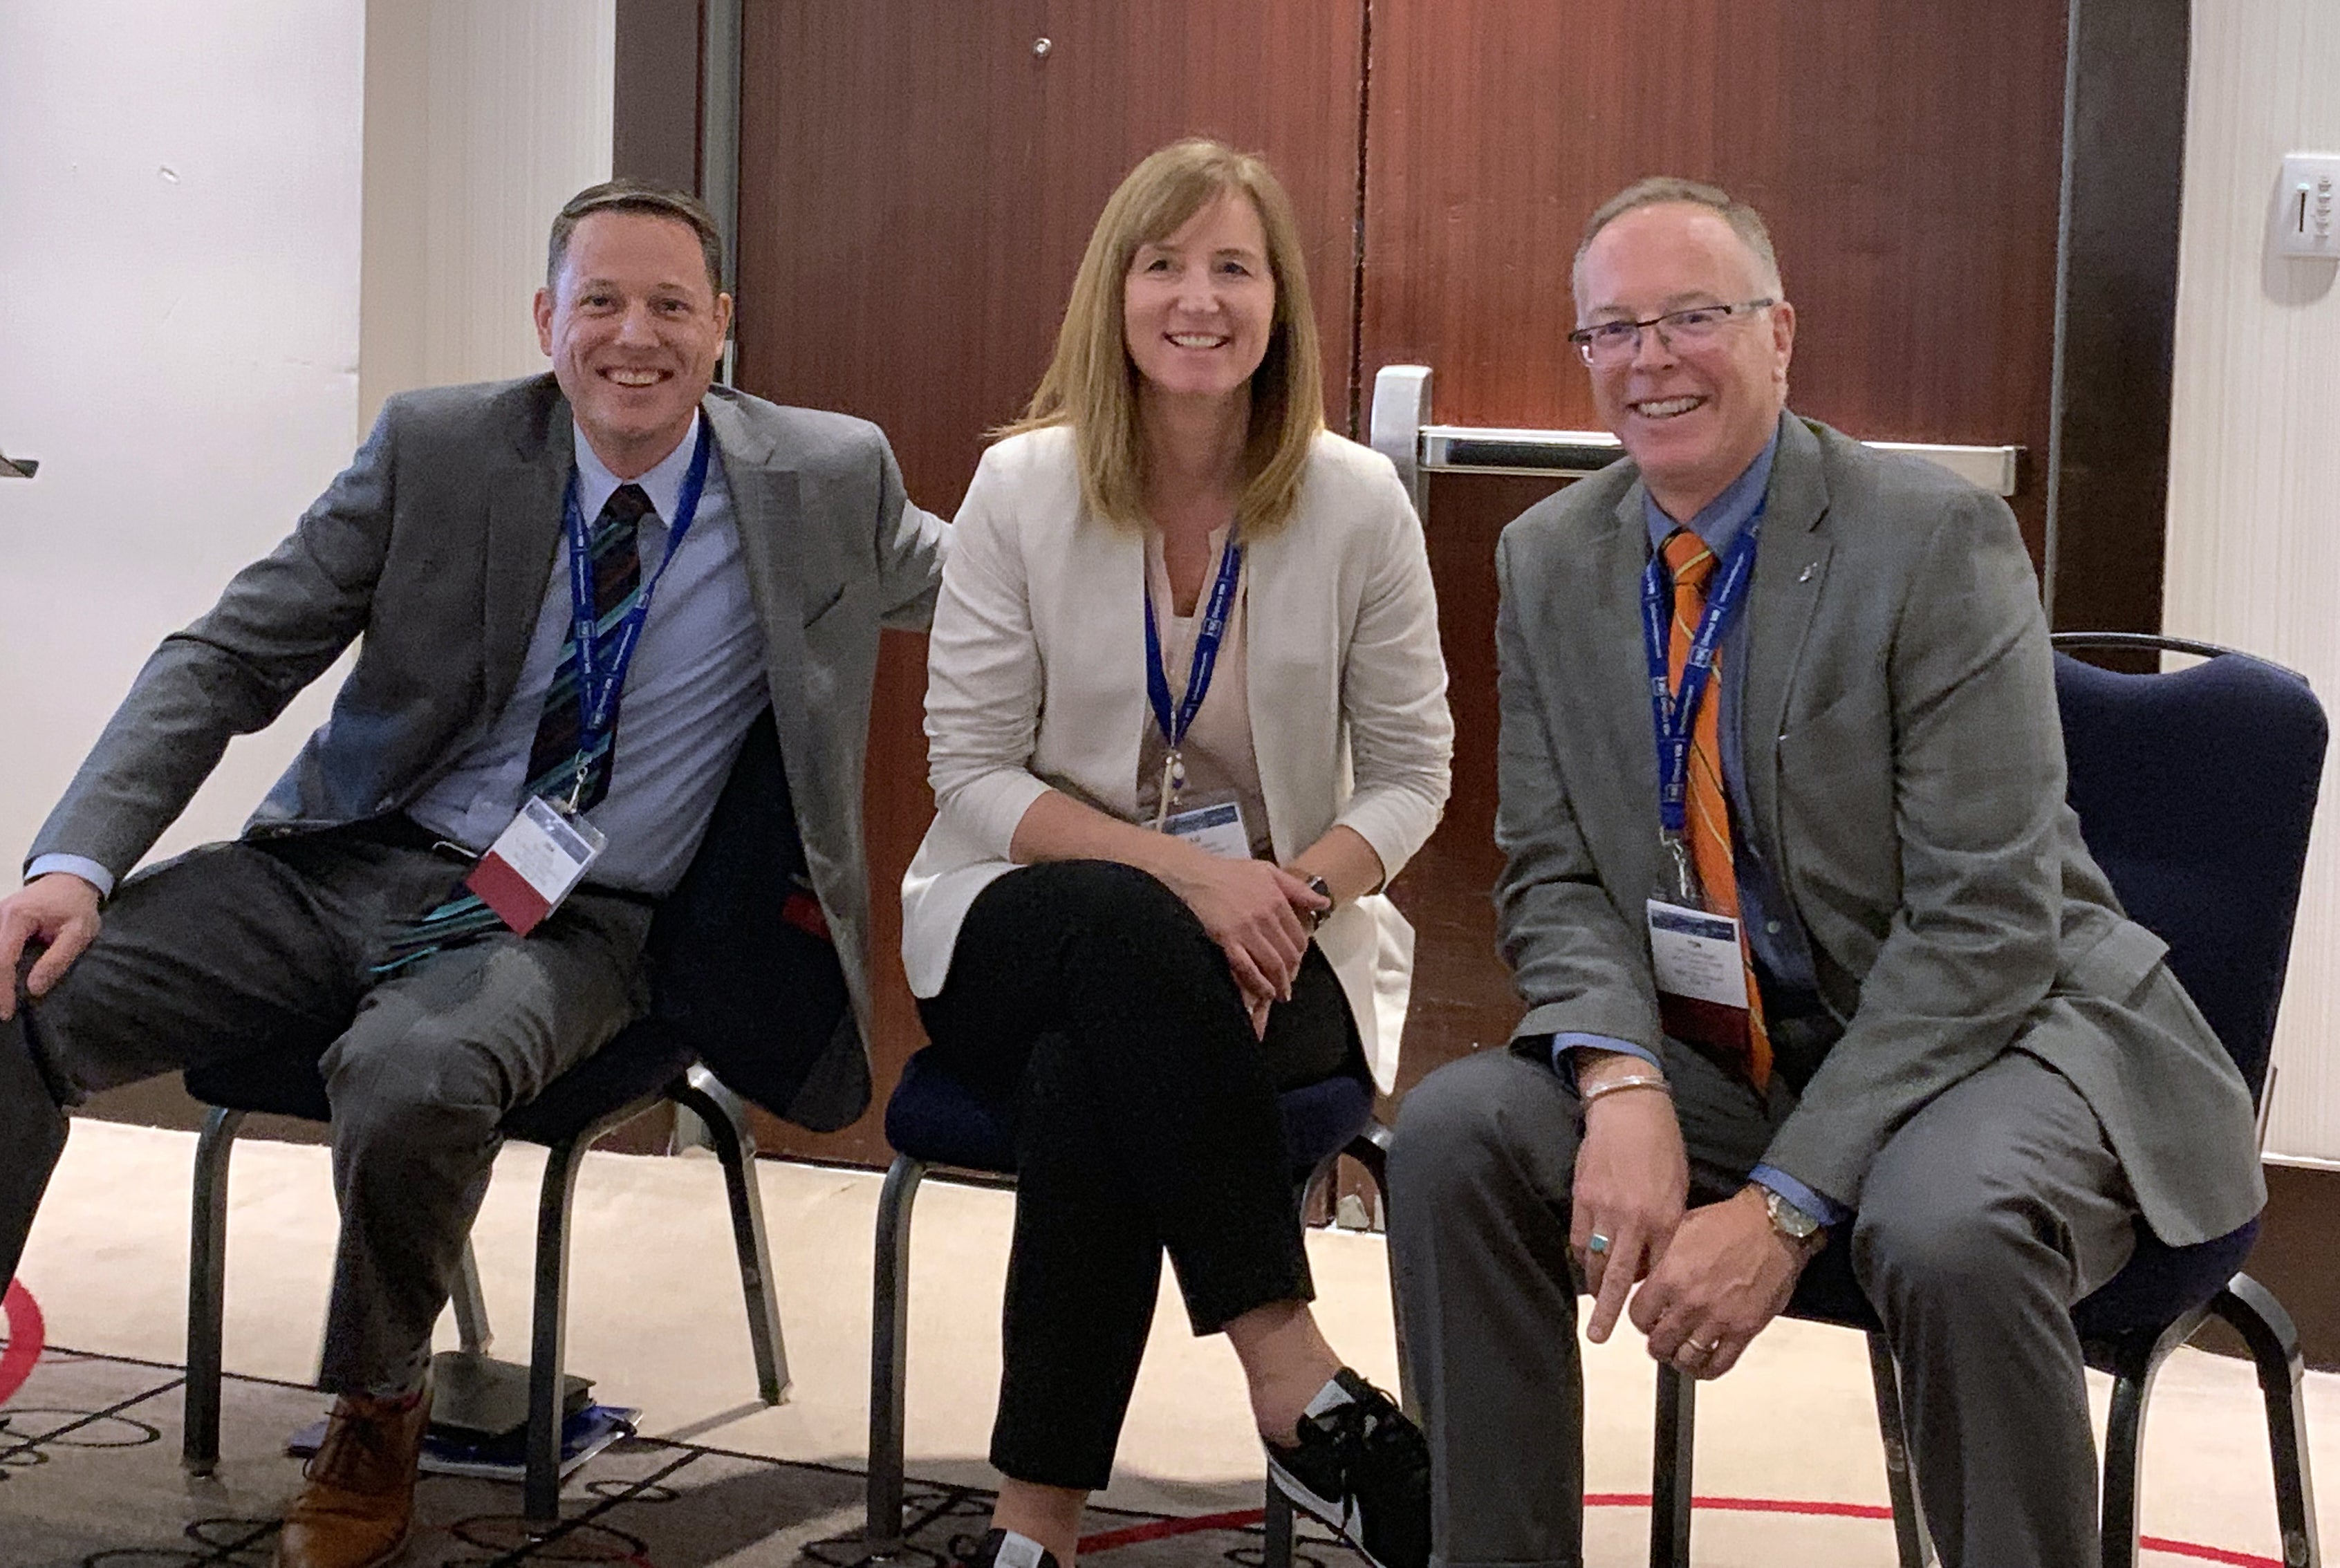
966	1552
1363	1468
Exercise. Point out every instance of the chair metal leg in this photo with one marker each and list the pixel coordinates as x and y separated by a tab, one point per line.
2252	1312
2135	1359
735	1145
1671	1469
207	1290
548	1332
470	1305
1275	1527
1912	1547
889	1356
1370	1148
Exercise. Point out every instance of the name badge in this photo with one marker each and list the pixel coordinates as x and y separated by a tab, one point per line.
1216	829
534	864
1702	977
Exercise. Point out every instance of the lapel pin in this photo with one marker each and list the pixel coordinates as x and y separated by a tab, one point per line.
1806	575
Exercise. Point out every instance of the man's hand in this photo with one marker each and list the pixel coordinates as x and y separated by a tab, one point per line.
1727	1275
1632	1179
58	912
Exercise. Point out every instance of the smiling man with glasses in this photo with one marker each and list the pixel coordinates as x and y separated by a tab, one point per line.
1812	953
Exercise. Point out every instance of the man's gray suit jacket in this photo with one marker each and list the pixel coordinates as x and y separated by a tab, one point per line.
433	549
1904	778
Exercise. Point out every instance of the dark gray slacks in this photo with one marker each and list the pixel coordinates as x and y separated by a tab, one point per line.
241	948
1984	1218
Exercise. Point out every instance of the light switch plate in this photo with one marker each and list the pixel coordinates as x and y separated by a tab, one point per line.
2307	205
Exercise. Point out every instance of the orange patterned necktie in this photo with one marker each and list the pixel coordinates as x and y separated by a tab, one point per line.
1709	813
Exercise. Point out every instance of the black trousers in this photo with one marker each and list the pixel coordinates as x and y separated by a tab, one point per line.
1086	996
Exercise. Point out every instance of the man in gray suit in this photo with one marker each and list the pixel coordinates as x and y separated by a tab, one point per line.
1854	981
494	549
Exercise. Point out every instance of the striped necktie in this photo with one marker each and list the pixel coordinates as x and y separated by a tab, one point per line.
1709	811
557	754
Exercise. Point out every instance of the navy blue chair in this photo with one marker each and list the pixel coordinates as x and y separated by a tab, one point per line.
934	1118
2195	791
648	1061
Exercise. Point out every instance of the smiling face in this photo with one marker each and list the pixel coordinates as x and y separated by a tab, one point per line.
635	330
1692	415
1197	307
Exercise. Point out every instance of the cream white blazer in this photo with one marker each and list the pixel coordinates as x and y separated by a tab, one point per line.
1035	679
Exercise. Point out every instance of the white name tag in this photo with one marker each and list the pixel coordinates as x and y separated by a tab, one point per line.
1696	955
533	865
1216	829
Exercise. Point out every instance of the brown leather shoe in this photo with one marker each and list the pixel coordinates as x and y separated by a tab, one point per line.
357	1506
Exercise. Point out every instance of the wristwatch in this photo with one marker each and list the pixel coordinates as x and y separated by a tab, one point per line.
1322	889
1802	1229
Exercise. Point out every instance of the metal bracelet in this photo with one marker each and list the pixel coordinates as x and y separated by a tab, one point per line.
1629	1081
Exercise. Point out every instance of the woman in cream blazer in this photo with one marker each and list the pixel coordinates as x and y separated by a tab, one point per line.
1137	999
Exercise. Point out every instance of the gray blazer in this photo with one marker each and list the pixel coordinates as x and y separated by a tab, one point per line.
1905	774
435	547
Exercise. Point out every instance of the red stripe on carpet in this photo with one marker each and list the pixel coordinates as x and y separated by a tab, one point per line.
1161	1529
1242	1519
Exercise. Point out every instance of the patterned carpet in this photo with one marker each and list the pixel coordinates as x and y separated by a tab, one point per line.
90	1478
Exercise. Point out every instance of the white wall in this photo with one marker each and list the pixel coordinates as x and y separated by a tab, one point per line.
2254	462
482	117
227	231
178	344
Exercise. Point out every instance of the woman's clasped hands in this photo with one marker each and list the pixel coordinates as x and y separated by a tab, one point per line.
1260	916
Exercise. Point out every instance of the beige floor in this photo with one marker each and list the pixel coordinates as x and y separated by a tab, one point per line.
655	1319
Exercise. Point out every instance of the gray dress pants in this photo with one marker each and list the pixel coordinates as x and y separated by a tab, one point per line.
1985	1217
240	948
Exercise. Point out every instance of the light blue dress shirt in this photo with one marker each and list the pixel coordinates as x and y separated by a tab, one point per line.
696	682
1776	940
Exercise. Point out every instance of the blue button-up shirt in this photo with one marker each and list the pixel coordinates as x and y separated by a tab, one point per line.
696	684
1774	937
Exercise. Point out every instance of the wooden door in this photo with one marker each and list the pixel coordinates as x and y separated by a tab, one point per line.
1907	158
917	181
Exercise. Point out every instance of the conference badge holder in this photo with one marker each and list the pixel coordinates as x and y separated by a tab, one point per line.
1213	824
1701	978
534	864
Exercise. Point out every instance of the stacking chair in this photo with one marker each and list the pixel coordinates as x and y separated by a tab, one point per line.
2195	790
936	1120
648	1062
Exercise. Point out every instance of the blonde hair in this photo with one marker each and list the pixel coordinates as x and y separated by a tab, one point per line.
1091	384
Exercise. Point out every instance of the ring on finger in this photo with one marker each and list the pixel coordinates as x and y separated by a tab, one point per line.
1596	1244
1700	1350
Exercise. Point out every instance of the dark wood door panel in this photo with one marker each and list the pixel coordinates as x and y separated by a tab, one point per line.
1462	995
1905	154
917	182
1907	159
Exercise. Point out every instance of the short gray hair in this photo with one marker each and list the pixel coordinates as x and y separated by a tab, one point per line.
1661	190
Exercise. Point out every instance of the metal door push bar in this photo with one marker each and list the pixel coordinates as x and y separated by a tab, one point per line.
1401	431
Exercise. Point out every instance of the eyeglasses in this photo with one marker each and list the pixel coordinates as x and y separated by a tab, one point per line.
1614	343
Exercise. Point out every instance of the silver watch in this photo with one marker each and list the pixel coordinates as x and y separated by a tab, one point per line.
1789	1220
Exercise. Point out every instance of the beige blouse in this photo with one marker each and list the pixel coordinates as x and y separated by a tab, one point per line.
1218	752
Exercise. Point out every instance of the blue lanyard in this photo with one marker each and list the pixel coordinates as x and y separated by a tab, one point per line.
1676	713
597	686
1206	651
